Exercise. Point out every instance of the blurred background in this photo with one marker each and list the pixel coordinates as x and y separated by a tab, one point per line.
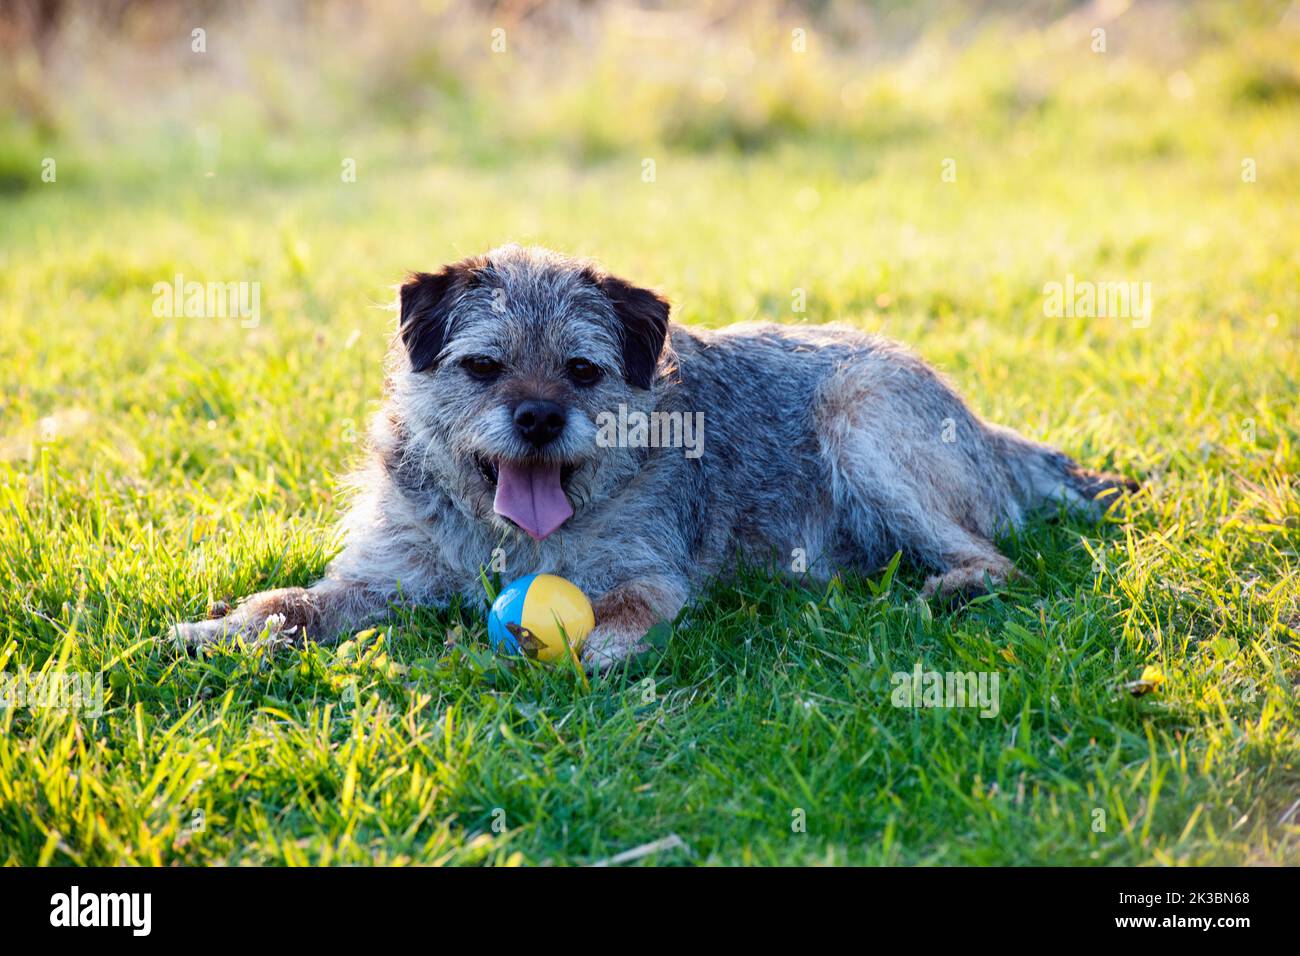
274	86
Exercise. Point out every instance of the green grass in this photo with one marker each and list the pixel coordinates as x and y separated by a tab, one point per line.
151	466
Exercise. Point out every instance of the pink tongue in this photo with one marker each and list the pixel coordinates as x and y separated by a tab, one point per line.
531	497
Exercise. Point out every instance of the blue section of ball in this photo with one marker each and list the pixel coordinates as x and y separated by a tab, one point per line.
508	608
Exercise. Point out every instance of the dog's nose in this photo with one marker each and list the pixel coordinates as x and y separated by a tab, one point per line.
539	421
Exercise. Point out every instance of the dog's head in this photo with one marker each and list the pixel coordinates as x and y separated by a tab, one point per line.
505	363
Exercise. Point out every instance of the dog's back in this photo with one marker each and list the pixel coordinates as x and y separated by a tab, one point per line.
842	448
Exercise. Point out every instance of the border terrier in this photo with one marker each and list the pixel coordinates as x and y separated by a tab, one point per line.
495	449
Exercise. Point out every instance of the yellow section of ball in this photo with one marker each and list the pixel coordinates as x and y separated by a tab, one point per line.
552	603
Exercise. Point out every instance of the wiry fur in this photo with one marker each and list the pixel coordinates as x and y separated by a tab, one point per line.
823	439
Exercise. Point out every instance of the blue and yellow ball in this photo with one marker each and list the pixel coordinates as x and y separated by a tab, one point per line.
533	615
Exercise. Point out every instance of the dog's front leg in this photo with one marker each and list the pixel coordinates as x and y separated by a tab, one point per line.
321	612
625	613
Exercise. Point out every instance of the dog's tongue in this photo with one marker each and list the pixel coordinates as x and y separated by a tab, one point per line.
531	497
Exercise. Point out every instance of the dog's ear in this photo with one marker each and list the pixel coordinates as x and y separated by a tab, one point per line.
644	319
427	298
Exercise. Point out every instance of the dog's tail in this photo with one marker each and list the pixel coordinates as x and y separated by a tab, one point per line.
1044	477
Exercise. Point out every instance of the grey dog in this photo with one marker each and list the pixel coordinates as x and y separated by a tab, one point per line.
821	450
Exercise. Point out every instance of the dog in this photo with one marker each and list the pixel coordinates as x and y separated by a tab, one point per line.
824	450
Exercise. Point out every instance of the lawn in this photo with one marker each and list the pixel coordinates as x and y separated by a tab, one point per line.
151	466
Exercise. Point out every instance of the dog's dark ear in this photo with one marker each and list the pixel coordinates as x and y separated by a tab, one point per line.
426	306
644	317
427	298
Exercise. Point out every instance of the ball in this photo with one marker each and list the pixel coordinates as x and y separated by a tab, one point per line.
529	614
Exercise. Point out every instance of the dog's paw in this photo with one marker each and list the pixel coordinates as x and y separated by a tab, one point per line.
607	646
198	633
966	582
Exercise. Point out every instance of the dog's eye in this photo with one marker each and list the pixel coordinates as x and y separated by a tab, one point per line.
481	367
583	373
